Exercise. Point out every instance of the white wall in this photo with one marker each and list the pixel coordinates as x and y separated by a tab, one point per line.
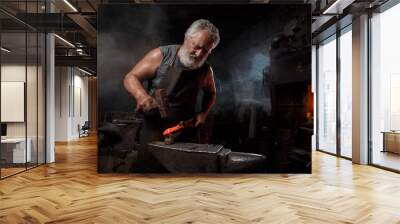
12	73
80	110
71	102
62	81
15	72
33	127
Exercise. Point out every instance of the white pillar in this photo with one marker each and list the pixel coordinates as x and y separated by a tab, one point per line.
50	93
360	90
314	88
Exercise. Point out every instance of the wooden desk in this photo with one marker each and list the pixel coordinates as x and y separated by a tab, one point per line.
13	150
391	141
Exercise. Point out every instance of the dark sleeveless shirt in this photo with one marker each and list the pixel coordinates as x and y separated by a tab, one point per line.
182	99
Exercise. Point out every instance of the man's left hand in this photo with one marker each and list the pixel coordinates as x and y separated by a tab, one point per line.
200	119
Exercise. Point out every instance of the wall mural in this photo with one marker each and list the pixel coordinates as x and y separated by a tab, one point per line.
204	88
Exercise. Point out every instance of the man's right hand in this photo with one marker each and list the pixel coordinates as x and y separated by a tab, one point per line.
144	70
146	103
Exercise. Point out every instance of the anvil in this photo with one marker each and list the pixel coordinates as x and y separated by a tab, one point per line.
204	158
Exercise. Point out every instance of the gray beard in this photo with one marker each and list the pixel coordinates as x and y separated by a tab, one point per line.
188	61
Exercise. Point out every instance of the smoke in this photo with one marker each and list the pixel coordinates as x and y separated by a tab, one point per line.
244	61
122	42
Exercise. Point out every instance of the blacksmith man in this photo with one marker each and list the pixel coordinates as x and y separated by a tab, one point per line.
182	68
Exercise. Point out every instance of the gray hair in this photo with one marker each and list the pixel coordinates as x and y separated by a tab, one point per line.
203	24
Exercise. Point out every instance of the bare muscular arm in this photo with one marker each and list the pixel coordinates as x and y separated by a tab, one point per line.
142	71
209	97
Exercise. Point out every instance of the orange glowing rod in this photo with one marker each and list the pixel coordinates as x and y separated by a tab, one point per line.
177	128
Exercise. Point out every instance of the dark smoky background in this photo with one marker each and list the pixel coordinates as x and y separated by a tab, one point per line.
261	68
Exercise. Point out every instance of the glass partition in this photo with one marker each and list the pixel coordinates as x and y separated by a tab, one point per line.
32	95
327	95
41	91
385	89
346	93
32	102
22	90
14	153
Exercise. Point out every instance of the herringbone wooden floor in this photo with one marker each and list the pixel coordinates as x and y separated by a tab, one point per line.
71	191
